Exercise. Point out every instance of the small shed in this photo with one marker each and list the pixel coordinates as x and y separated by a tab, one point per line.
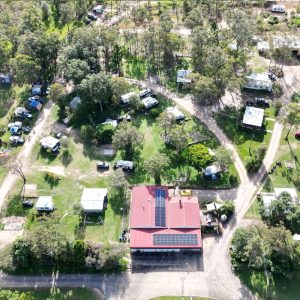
253	117
93	200
29	191
259	82
178	115
182	76
44	204
50	142
75	103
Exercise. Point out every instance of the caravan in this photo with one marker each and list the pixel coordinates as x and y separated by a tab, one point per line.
278	8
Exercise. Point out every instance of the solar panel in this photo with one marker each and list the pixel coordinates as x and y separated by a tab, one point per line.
160	208
175	239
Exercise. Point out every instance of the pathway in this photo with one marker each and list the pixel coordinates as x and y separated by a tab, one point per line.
11	179
216	279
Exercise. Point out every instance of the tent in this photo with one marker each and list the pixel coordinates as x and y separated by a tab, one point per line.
213	206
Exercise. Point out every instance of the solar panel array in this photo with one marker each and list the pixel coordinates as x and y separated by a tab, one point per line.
175	239
160	208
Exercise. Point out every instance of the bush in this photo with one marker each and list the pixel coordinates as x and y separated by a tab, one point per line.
154	112
87	132
277	106
104	133
273	20
227	209
277	90
253	164
296	97
265	15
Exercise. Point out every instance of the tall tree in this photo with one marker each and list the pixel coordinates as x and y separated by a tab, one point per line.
127	137
24	69
96	88
76	70
157	165
292	117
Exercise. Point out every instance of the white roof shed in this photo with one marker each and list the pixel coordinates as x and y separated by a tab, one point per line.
253	116
44	203
93	199
182	76
49	142
179	115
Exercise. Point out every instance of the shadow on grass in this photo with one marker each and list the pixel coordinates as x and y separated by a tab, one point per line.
46	155
14	207
274	287
66	157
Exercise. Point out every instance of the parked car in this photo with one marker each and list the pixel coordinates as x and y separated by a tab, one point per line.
186	193
147	93
124	117
15	130
92	17
15	124
101	165
26	129
272	76
27	203
258	102
124	164
16	140
297	135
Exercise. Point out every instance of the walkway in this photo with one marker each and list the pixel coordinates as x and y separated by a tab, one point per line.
11	179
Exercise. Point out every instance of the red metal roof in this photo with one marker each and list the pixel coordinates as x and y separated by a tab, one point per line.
182	217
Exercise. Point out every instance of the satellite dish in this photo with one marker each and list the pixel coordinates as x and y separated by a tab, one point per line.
223	218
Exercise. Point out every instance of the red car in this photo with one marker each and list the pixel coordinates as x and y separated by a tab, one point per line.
297	135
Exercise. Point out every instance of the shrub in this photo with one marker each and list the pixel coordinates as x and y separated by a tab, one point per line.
277	106
296	97
265	15
87	132
277	90
154	112
227	209
253	164
104	133
273	20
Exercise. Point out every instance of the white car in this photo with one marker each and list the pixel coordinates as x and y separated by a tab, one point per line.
16	140
15	124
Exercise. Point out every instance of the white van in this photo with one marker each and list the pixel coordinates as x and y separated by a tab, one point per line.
278	8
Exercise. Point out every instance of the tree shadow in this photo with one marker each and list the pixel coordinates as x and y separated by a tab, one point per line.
51	179
66	157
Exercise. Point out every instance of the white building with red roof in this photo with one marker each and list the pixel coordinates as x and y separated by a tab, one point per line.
159	222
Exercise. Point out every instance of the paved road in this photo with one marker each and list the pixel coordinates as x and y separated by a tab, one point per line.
216	279
11	179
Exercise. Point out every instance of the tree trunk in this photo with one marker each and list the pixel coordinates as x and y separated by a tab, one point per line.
287	135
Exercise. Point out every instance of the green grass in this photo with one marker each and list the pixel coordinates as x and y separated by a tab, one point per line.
245	140
253	211
50	294
277	287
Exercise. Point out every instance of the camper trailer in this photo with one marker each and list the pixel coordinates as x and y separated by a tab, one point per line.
278	8
259	82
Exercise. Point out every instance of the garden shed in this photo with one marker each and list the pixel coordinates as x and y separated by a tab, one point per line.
44	204
253	117
93	200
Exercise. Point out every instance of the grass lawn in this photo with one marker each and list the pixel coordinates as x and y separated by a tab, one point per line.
253	211
277	287
51	294
245	140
